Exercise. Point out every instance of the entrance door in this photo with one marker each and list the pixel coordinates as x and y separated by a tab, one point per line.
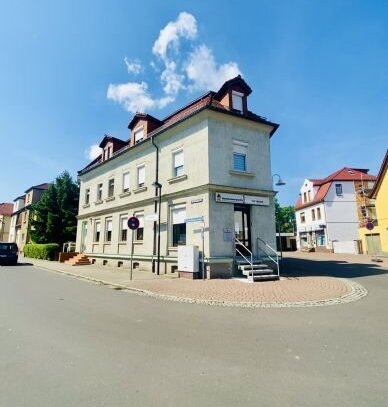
84	231
242	227
373	243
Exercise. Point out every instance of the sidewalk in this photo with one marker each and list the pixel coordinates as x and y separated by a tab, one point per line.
288	292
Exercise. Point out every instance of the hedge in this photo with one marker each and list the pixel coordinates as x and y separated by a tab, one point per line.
47	251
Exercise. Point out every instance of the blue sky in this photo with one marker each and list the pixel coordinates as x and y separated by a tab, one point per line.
319	68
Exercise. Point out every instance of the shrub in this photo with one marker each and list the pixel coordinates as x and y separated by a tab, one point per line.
48	251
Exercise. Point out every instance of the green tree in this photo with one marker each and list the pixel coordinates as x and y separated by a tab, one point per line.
285	218
54	216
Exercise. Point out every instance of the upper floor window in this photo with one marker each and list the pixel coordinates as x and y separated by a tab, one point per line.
304	197
126	181
319	213
309	195
313	214
178	158
108	229
302	217
99	191
141	176
87	196
178	226
240	156
111	187
138	135
237	101
338	189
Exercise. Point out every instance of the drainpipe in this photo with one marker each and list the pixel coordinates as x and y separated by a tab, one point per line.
157	192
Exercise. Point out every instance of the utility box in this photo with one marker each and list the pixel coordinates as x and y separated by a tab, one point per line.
188	261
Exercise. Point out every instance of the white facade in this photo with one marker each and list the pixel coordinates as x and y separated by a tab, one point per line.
330	222
196	161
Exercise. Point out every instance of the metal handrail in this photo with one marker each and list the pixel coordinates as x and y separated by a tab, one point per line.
250	262
267	254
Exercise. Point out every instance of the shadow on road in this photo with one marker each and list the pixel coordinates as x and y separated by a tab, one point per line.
295	267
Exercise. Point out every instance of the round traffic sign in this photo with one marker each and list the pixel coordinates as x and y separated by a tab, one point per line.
369	225
133	223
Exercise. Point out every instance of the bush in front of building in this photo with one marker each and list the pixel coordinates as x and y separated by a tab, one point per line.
48	251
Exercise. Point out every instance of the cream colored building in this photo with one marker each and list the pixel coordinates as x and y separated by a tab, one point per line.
210	160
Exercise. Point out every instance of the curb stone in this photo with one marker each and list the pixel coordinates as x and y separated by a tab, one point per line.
357	291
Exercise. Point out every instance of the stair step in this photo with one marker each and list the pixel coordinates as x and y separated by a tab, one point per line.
265	271
266	277
253	267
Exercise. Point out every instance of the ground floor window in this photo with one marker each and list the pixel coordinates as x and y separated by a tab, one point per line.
139	232
303	239
108	230
97	231
123	228
178	226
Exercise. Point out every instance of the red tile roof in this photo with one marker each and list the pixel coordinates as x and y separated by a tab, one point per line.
208	100
6	209
344	174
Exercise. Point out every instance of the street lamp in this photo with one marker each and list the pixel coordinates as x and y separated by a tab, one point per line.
158	187
279	183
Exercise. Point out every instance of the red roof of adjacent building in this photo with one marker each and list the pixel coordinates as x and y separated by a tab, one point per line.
40	186
344	174
6	209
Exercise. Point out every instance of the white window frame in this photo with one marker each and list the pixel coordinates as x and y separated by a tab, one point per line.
337	188
237	101
100	190
136	139
138	169
97	229
240	148
87	196
108	228
111	193
181	207
126	188
140	216
123	227
178	167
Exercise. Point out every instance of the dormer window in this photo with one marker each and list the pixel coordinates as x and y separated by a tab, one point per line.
108	151
237	101
138	135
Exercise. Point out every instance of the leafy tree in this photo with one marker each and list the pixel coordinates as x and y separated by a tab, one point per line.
285	218
54	216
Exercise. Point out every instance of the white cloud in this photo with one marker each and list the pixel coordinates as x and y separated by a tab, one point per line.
134	66
185	26
203	72
134	97
93	152
178	70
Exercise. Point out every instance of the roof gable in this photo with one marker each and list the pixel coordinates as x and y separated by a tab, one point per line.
382	173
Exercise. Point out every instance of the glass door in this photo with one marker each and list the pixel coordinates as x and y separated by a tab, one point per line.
242	227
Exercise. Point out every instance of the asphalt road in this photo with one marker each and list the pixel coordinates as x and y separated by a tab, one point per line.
68	342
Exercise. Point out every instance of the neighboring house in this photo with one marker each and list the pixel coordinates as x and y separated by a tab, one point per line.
375	241
209	159
329	210
20	222
5	220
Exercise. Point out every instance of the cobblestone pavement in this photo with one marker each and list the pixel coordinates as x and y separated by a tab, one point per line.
304	291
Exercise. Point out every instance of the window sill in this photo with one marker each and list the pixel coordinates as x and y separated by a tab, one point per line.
123	242
111	198
177	179
86	206
138	242
242	173
107	242
98	202
138	190
124	194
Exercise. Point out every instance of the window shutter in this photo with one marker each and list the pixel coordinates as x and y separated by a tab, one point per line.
123	223
141	175
98	227
141	220
126	181
237	101
139	135
178	159
178	216
239	162
109	225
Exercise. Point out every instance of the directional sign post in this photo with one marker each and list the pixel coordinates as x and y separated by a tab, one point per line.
133	224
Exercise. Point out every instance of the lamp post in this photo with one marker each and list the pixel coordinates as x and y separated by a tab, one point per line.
279	183
158	186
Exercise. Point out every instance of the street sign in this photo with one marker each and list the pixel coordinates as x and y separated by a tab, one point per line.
133	223
369	225
194	220
153	217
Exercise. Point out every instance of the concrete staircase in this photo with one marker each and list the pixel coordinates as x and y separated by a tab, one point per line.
78	260
258	271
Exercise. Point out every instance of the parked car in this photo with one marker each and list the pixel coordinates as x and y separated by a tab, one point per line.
8	253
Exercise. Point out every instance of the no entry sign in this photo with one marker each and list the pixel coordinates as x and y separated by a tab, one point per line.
133	223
